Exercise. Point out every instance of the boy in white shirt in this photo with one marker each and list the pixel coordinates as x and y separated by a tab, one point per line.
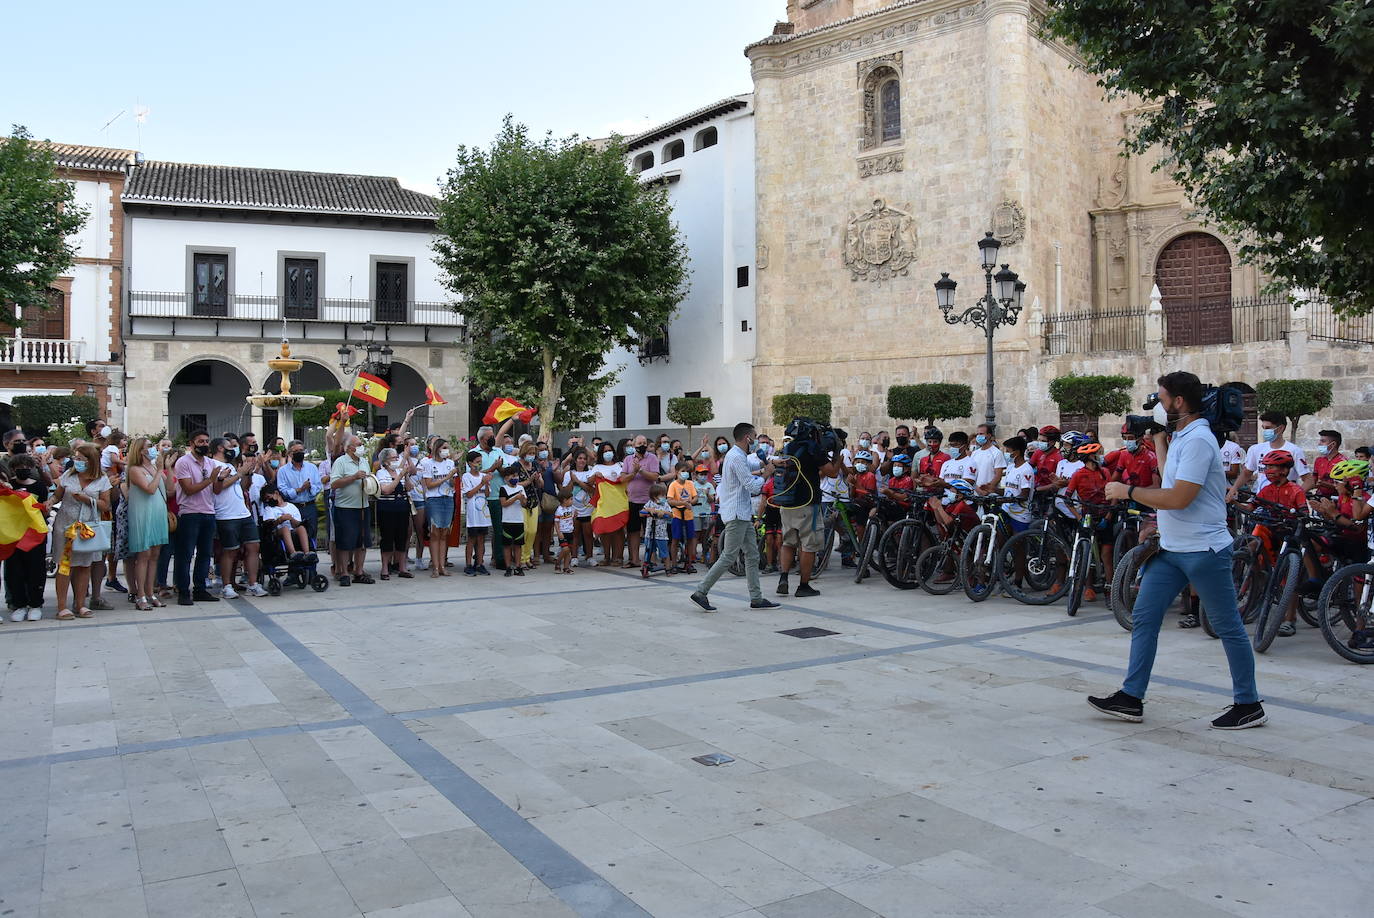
563	521
288	524
513	519
477	514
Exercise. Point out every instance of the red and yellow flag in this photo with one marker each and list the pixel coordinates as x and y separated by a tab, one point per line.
433	398
610	507
503	408
23	524
371	389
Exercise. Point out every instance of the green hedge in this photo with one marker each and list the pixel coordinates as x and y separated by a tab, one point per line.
1092	396
318	417
930	402
36	413
791	405
1296	398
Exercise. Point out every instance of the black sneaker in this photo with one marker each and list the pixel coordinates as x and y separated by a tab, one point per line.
204	596
1189	620
509	572
700	599
345	580
116	586
805	590
469	571
1361	639
1241	717
184	599
1126	707
763	604
1288	629
782	585
848	563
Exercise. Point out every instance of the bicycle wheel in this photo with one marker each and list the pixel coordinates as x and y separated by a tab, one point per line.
1126	586
867	550
897	554
1343	609
1082	574
937	569
1279	595
1307	610
1045	559
978	566
827	546
1126	539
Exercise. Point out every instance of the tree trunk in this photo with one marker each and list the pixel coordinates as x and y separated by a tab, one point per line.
548	400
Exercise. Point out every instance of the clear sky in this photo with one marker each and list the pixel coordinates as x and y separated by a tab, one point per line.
389	88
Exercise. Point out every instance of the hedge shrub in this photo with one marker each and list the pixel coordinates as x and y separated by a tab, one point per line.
930	402
1296	398
791	405
36	413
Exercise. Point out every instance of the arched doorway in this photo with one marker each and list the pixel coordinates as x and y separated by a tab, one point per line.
313	376
208	394
407	391
1194	277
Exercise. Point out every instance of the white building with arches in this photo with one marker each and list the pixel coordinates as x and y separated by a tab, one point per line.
222	262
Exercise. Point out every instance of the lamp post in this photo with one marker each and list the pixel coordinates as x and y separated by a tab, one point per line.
371	356
990	311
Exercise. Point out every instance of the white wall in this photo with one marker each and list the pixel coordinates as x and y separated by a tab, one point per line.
713	206
156	252
90	307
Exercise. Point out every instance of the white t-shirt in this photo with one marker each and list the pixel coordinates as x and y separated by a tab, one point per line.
476	508
612	471
109	456
1231	454
512	513
581	494
283	511
255	485
229	503
1254	454
563	516
984	463
833	489
1019	481
1065	469
437	468
954	470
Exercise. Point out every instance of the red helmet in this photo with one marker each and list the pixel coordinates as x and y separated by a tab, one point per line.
1277	457
1049	430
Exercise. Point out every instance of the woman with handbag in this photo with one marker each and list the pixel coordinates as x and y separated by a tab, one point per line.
84	492
548	503
166	462
147	521
393	513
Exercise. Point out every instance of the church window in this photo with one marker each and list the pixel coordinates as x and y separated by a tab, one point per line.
890	104
881	84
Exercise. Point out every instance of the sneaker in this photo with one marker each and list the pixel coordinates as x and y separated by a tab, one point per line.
1288	629
1121	705
1089	595
1361	639
763	604
805	590
700	599
469	571
782	585
228	592
116	586
1189	620
1241	716
257	590
100	605
19	615
509	573
184	599
35	613
214	582
345	580
422	564
482	570
202	596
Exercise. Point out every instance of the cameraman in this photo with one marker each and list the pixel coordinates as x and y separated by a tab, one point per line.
1195	547
797	492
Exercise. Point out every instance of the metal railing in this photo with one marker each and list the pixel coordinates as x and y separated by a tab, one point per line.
257	308
1088	332
1238	320
1324	324
42	352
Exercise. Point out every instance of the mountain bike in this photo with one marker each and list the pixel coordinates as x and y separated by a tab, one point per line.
1343	611
903	542
979	559
1034	565
838	526
937	568
1084	553
883	515
1285	571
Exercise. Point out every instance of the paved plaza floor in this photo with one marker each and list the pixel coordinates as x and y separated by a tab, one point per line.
512	748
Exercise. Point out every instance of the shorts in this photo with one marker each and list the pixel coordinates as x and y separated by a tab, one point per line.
565	540
802	526
682	530
772	519
656	548
439	512
636	523
348	529
478	532
1016	525
513	533
233	533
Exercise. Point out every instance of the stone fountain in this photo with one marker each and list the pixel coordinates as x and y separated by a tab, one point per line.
285	402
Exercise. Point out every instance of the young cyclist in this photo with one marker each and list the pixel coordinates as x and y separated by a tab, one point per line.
1277	467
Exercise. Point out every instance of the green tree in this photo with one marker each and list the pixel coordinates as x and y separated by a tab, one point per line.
558	255
932	401
1092	396
499	370
37	214
689	412
1296	398
1266	112
789	405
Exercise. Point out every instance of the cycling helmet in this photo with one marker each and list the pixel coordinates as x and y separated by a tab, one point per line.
1088	450
1049	430
863	454
1350	468
1277	457
963	487
901	457
933	433
1074	438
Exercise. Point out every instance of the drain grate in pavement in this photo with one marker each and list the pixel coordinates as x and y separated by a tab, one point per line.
808	632
714	758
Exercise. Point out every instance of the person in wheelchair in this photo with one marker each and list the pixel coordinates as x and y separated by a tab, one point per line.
286	525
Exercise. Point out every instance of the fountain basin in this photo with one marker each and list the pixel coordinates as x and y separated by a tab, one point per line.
286	401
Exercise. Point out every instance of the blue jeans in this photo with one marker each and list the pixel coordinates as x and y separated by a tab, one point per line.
1166	574
195	535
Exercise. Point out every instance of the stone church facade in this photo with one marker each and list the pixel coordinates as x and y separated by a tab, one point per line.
891	134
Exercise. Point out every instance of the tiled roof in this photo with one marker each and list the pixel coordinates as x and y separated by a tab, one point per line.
714	110
275	189
77	156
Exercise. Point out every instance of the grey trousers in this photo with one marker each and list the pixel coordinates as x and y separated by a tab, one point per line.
739	536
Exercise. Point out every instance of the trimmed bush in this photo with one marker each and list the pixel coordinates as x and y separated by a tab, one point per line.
690	412
930	402
1092	396
37	413
1296	398
791	405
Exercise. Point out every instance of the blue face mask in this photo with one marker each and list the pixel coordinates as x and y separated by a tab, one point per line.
981	439
1269	434
898	471
79	465
415	450
722	447
861	466
1011	460
275	463
608	458
543	454
629	450
865	443
1132	445
40	450
508	450
683	476
664	447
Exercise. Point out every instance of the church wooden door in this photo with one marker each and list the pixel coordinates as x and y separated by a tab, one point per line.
1194	277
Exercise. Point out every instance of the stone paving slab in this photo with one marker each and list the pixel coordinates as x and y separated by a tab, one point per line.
512	748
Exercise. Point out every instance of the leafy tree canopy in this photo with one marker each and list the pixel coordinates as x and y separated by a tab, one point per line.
690	411
1296	398
789	405
37	214
931	401
559	255
1266	111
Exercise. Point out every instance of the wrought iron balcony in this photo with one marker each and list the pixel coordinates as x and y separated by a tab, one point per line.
42	353
255	308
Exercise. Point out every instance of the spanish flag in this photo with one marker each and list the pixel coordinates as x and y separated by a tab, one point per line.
503	408
610	507
23	524
371	389
433	398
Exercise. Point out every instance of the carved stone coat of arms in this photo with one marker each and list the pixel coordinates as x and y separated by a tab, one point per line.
879	243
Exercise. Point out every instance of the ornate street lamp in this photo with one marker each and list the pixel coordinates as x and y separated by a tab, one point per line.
990	311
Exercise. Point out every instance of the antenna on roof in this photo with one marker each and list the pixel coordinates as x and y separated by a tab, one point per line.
106	125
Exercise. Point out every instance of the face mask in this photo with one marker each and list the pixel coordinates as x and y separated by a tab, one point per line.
275	463
683	476
415	451
903	441
18	448
865	443
898	470
1160	414
1323	449
40	450
508	450
861	466
1011	460
642	449
722	447
703	454
489	442
105	431
1268	436
664	446
443	453
981	439
543	454
394	464
79	465
701	478
230	453
203	449
298	458
608	458
1132	445
630	450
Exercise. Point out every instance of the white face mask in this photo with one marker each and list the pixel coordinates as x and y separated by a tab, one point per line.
443	454
105	431
861	466
898	470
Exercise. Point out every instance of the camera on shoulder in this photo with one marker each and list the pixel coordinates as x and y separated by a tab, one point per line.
1223	408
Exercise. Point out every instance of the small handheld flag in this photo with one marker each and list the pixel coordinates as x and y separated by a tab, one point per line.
433	398
503	408
371	389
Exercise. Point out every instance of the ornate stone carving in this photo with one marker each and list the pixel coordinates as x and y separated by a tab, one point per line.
879	243
761	257
1009	222
865	68
881	165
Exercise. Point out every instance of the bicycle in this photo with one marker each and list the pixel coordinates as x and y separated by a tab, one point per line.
837	526
938	567
1034	564
980	557
902	543
879	519
1281	585
737	563
1343	612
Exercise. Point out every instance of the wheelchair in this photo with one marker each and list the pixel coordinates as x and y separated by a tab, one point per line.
279	570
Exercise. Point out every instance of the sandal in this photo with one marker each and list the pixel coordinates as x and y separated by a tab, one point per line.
434	575
64	615
386	577
156	603
83	612
405	575
142	605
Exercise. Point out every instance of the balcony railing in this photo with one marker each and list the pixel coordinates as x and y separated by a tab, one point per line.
43	353
255	308
1090	332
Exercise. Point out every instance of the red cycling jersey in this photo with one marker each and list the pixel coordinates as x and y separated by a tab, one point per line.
930	466
1089	485
1132	468
1289	494
1046	462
